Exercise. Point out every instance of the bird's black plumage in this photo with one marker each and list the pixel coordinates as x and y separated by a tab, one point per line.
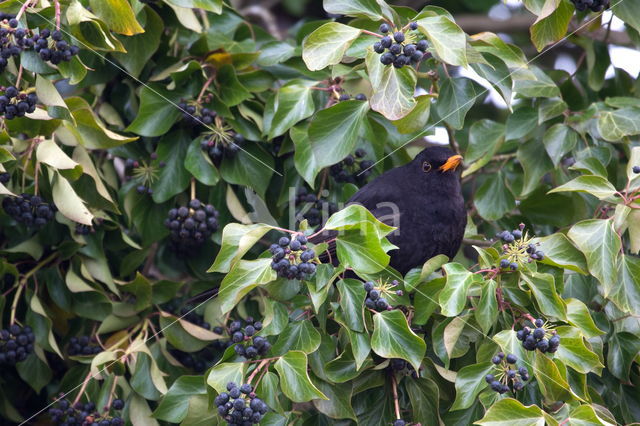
424	200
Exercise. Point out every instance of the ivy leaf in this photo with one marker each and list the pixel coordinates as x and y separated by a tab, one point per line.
393	88
417	118
586	415
175	404
297	336
49	96
535	163
424	397
334	131
448	39
469	383
327	45
294	379
338	402
558	140
243	277
251	166
392	338
553	384
141	47
552	23
558	251
67	200
486	312
232	92
197	163
614	125
627	11
453	297
599	242
156	114
574	353
457	96
511	411
292	103
597	186
237	239
623	349
578	315
359	8
174	178
544	290
214	6
485	138
626	294
118	15
224	373
362	250
352	295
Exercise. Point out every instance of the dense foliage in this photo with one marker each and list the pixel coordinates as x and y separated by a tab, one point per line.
164	163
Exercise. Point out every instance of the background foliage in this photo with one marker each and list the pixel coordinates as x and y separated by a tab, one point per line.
558	158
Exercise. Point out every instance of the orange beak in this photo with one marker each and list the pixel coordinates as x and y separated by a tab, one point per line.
452	163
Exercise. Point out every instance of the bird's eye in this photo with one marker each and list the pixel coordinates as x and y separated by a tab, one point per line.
426	167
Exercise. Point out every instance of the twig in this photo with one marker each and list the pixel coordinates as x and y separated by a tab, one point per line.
23	284
193	188
24	7
372	33
19	76
111	392
258	368
452	139
396	403
205	87
56	3
83	388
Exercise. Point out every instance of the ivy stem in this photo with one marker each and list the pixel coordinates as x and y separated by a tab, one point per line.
86	381
23	284
193	188
372	33
56	3
35	180
24	7
111	393
19	76
394	388
257	370
205	87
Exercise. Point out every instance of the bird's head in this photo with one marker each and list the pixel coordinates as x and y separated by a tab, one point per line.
437	160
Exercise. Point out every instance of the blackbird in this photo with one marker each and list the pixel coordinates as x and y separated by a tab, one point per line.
423	199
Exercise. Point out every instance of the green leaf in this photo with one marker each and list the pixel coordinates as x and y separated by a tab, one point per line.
591	184
469	383
424	397
67	200
297	336
392	338
448	39
558	251
535	163
623	349
485	138
174	178
48	152
174	405
362	250
294	379
494	199
232	92
553	384
237	239
354	217
333	132
338	402
243	277
510	411
534	83
416	119
552	23
599	242
486	312
251	166
586	415
224	373
457	96
393	88
497	73
141	47
614	125
352	295
491	43
359	8
275	52
521	122
559	140
198	164
544	290
35	372
578	315
157	112
626	294
551	108
214	6
327	45
49	96
628	11
453	296
574	353
292	103
426	299
118	15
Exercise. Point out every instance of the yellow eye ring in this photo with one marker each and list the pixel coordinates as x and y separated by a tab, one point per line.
426	167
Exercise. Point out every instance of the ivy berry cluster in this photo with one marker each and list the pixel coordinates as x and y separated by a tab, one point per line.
14	103
402	366
358	97
375	295
292	259
5	177
240	406
194	113
191	226
353	169
636	169
54	49
29	210
82	346
594	5
12	39
63	413
518	249
16	344
217	150
541	337
248	345
507	378
399	53
311	208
